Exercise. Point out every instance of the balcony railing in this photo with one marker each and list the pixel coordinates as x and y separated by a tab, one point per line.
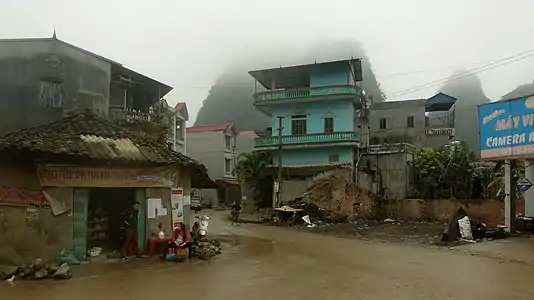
123	116
390	148
308	92
440	130
308	139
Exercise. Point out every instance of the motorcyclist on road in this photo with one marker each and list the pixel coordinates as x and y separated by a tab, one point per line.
236	208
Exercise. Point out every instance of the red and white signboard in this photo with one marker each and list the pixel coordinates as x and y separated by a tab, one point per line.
177	203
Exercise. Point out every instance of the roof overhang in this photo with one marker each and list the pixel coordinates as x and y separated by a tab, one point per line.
299	76
143	83
226	182
439	102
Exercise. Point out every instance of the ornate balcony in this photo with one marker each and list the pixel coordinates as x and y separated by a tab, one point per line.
308	92
391	148
307	139
447	130
130	116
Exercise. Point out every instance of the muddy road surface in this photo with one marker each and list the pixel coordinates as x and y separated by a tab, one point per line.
276	263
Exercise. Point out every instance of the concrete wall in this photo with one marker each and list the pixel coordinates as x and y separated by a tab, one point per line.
184	181
292	189
85	78
244	142
208	147
489	211
153	225
394	171
304	156
325	77
341	110
396	114
27	232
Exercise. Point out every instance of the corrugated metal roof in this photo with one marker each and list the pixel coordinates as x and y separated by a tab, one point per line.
88	135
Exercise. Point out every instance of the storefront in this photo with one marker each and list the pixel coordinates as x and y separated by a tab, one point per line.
79	198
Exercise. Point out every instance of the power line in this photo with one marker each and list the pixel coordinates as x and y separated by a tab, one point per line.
471	72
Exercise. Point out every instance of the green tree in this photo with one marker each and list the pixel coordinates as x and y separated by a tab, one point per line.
447	172
250	171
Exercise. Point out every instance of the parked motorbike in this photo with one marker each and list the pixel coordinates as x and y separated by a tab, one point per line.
200	228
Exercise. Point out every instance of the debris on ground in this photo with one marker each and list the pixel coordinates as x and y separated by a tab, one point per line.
206	249
38	269
462	229
68	257
419	233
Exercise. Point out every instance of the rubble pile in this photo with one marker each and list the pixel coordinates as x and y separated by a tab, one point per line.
335	199
207	249
38	269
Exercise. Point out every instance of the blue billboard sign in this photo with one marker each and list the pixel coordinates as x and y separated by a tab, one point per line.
507	129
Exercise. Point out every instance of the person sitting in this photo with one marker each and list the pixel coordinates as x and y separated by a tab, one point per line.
180	244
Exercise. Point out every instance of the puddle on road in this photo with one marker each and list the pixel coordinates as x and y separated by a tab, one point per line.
244	247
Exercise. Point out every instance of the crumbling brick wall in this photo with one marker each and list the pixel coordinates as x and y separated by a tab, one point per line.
489	211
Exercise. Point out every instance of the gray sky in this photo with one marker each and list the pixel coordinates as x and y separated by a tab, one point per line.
187	44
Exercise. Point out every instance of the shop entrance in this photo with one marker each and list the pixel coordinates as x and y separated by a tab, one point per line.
107	211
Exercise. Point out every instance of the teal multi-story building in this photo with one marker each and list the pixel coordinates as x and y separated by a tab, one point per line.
323	109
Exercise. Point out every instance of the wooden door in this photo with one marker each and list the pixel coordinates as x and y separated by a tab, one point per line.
79	221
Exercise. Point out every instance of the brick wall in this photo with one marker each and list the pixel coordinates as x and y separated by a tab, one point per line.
490	211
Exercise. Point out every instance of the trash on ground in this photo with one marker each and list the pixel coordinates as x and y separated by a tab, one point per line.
465	228
207	249
306	220
95	251
66	256
38	269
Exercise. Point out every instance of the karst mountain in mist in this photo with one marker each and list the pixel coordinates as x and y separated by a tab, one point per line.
230	98
468	91
520	91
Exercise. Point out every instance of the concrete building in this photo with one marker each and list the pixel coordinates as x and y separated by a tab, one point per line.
322	108
215	147
176	136
397	129
422	122
245	142
42	79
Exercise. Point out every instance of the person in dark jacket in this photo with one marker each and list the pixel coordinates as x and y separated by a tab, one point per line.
131	232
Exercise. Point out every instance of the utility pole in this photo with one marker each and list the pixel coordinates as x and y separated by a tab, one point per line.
510	187
513	194
279	180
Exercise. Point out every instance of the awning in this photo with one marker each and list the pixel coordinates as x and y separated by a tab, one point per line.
226	182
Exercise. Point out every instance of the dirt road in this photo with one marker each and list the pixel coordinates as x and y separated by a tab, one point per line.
277	263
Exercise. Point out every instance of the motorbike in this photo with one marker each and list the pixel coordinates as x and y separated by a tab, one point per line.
200	228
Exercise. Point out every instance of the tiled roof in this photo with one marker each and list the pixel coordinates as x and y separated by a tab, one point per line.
179	105
88	135
205	128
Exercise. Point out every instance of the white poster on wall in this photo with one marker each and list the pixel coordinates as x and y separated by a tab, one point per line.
177	203
152	206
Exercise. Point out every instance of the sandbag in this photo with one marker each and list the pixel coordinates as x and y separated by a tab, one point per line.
465	228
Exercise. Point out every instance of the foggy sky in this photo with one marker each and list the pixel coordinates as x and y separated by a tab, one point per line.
187	44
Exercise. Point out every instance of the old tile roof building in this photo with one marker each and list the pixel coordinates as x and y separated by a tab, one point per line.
89	136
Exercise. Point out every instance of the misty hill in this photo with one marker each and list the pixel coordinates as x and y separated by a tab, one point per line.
520	91
469	94
230	98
